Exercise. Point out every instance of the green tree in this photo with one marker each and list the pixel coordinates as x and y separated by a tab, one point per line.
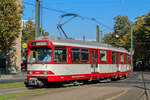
108	38
141	35
28	34
10	26
119	37
121	28
28	31
142	41
122	25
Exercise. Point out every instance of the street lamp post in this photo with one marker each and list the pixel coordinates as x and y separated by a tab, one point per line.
145	89
131	51
37	19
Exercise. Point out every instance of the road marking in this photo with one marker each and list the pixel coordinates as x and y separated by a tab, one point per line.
116	96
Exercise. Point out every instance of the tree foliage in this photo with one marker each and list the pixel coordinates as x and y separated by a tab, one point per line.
10	29
120	35
141	35
10	24
28	31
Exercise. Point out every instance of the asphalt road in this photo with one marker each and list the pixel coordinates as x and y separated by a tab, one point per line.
135	83
131	88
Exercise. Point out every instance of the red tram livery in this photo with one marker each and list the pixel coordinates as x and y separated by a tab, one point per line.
63	60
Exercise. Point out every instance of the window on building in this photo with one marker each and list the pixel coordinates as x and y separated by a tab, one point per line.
84	55
113	57
122	58
75	55
103	56
60	54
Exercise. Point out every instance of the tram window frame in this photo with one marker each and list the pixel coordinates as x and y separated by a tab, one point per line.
75	55
61	54
85	55
103	60
126	58
129	59
122	58
113	57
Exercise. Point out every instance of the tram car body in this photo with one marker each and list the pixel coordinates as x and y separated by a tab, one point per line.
61	60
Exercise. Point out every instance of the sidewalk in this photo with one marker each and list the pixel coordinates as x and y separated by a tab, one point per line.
9	78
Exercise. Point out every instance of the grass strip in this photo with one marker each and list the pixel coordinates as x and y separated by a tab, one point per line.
16	84
16	95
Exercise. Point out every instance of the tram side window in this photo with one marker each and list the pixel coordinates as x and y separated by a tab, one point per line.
75	55
122	58
84	55
113	57
103	56
60	55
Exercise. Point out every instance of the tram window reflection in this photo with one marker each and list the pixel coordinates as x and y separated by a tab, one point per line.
75	55
85	55
60	54
103	56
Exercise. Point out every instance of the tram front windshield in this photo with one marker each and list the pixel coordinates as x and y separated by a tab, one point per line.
40	55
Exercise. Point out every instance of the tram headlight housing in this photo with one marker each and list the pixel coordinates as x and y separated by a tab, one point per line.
30	72
45	72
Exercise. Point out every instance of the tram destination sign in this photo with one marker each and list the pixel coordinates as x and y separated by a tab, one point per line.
38	43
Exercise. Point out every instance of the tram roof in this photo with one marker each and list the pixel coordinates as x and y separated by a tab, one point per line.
81	43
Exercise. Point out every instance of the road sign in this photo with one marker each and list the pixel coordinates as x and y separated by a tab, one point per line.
24	45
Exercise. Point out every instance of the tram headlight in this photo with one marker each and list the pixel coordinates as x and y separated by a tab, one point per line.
30	73
45	72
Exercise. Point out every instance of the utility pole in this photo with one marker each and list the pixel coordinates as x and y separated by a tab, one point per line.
41	18
97	33
131	51
100	34
37	20
83	37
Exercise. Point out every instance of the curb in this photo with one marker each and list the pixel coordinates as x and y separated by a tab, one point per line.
12	76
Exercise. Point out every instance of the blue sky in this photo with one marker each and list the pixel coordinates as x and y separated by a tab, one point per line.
103	10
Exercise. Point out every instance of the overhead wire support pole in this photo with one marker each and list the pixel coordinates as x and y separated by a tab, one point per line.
131	51
41	7
37	20
100	33
97	33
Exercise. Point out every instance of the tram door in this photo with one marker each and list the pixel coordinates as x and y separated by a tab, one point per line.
94	61
117	60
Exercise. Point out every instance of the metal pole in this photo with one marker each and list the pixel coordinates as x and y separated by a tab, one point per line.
100	32
37	19
97	33
145	89
42	18
83	38
131	47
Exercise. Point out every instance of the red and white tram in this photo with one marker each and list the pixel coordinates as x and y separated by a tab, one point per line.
61	60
